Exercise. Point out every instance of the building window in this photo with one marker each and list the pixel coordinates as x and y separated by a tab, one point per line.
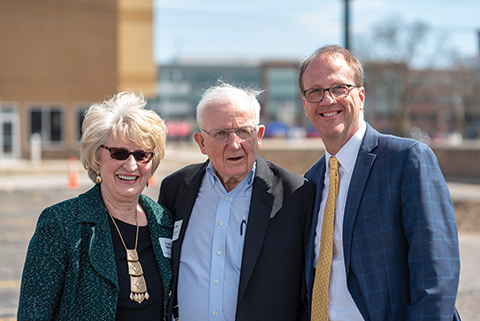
80	110
283	95
47	120
9	136
7	143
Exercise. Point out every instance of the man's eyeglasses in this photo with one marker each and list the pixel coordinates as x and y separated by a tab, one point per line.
121	154
315	95
221	135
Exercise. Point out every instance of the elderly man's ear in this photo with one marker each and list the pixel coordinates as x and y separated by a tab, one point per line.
200	141
260	133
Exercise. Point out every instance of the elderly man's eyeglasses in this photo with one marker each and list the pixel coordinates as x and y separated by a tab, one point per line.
315	95
221	135
122	154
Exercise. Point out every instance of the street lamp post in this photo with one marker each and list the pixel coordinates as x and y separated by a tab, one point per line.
347	27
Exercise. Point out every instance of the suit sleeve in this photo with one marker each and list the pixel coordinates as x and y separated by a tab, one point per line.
44	270
170	188
305	307
164	196
161	196
430	229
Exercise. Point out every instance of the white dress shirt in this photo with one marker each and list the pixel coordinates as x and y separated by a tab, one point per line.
211	254
341	304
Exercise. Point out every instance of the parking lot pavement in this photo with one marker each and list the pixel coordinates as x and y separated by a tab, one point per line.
468	300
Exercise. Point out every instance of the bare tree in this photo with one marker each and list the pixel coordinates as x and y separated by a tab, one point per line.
390	54
466	96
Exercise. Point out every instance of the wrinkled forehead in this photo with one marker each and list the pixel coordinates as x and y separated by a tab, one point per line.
228	115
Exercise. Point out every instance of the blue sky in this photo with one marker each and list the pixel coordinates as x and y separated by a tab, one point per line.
222	29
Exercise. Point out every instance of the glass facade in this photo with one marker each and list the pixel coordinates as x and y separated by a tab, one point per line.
283	94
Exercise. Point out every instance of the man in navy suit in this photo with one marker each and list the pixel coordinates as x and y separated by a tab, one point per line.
395	245
241	222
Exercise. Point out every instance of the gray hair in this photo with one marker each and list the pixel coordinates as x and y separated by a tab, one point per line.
227	94
124	117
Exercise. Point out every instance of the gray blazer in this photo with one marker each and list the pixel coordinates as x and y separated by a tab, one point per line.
70	271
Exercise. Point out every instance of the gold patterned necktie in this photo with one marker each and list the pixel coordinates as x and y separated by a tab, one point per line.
324	263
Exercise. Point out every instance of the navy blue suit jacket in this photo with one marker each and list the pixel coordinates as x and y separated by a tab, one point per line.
272	281
399	232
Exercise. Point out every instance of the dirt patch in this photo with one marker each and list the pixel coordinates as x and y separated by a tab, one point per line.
467	214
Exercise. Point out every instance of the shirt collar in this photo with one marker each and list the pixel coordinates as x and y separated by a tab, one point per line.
248	180
344	155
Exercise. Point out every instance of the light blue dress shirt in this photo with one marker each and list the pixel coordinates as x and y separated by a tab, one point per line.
211	254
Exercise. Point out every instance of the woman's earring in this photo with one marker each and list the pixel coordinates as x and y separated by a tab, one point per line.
98	179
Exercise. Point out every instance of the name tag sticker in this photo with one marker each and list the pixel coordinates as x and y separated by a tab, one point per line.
166	245
176	230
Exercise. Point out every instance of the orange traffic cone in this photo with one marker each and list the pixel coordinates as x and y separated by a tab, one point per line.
73	176
152	181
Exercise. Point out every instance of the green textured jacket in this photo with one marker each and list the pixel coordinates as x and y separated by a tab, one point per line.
70	271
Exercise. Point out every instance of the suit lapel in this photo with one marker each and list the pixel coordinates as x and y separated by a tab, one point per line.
183	210
261	207
359	179
315	174
92	210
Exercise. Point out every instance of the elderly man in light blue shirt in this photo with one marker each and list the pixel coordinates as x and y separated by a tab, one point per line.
240	221
208	280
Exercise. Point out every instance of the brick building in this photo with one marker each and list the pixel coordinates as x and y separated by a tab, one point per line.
59	56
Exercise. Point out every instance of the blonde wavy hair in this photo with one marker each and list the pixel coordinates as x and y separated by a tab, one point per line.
124	117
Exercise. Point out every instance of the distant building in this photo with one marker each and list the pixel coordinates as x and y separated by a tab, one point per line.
282	99
468	103
58	57
435	102
181	83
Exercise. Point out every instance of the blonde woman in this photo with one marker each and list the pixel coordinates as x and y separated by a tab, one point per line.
104	255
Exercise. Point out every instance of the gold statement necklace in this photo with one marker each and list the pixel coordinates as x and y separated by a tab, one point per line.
138	287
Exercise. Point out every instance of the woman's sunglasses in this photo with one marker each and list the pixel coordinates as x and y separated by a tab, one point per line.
122	154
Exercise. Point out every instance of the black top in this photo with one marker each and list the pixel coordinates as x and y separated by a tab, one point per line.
127	309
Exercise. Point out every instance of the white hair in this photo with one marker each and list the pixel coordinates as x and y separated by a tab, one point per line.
228	94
